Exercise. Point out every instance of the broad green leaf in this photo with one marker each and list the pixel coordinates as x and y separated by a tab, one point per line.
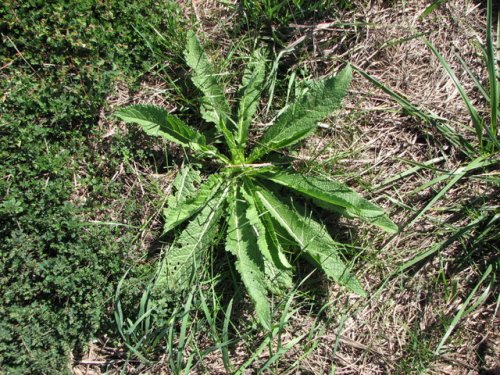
277	275
157	121
185	185
177	213
301	118
214	107
185	255
250	262
251	88
275	250
313	240
335	193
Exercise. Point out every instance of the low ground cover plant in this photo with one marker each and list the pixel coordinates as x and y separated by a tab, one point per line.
60	60
264	229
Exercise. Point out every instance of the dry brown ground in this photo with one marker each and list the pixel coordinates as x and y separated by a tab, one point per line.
370	141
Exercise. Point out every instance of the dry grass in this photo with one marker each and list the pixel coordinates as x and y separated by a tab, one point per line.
396	331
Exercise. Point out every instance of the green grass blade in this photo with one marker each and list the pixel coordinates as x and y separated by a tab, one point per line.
334	193
225	337
313	240
250	262
431	8
457	175
409	107
301	118
491	63
181	344
280	353
462	312
416	167
476	119
473	77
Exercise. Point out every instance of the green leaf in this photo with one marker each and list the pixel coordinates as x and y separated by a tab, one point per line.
157	121
250	262
185	255
185	185
214	107
275	252
312	238
178	212
275	263
251	88
335	193
301	118
431	8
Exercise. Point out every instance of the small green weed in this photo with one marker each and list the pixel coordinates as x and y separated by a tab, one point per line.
263	230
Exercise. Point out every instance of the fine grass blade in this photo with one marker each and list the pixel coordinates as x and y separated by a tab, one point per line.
408	106
334	193
214	107
479	162
464	310
476	119
301	118
249	260
157	121
473	77
225	337
491	64
431	118
431	8
251	88
313	240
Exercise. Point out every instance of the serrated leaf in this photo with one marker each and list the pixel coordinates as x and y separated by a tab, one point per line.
275	254
185	255
158	122
250	261
313	240
185	185
301	118
334	193
251	88
178	213
277	273
214	107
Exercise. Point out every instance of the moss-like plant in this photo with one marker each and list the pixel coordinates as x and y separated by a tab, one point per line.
262	228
